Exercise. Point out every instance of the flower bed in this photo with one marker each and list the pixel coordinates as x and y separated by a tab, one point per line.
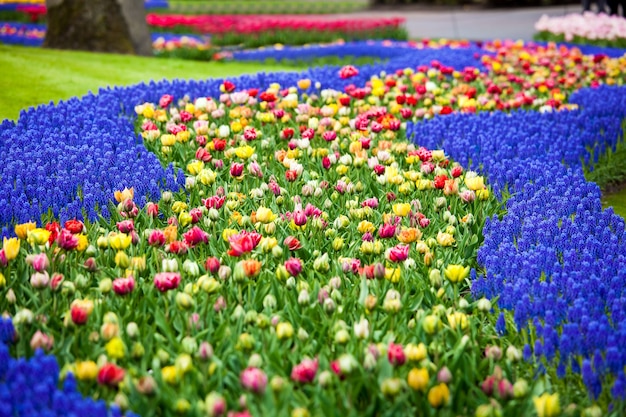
586	28
259	30
292	250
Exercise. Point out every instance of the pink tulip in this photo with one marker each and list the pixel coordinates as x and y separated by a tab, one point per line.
165	281
254	379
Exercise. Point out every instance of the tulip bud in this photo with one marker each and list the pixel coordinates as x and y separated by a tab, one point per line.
10	296
325	378
302	334
430	324
483	305
391	387
361	329
191	268
370	302
513	354
132	330
146	385
329	305
493	352
224	272
435	278
593	411
444	375
269	302
277	383
520	388
277	251
137	351
189	345
342	336
105	285
215	404
184	301
304	298
39	280
169	265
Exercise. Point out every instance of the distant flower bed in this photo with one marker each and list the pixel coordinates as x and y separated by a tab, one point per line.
586	28
259	30
413	236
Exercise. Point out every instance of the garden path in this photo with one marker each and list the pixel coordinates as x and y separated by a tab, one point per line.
472	23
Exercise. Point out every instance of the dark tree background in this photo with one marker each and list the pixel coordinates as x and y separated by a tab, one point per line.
98	25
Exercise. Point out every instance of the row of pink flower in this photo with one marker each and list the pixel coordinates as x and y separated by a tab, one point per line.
259	23
587	25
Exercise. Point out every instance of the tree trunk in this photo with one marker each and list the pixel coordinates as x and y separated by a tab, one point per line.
98	25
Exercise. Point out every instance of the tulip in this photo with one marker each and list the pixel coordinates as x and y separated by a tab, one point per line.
415	352
293	266
305	371
39	280
86	370
399	253
166	281
391	386
110	375
11	248
395	354
41	340
123	286
215	404
80	311
439	395
254	379
361	329
456	273
547	405
418	379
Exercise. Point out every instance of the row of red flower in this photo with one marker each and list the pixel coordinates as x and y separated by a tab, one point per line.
261	23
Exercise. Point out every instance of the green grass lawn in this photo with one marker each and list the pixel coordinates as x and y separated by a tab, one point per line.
617	201
34	76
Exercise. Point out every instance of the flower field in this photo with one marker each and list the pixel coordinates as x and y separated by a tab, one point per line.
413	237
586	28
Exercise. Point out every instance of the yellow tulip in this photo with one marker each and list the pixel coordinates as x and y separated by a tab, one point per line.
482	194
21	230
265	215
415	352
547	405
244	152
439	395
83	243
284	330
168	140
418	379
304	84
86	370
475	183
169	374
401	209
445	239
179	206
115	348
11	248
38	236
125	194
195	167
458	319
120	241
456	273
